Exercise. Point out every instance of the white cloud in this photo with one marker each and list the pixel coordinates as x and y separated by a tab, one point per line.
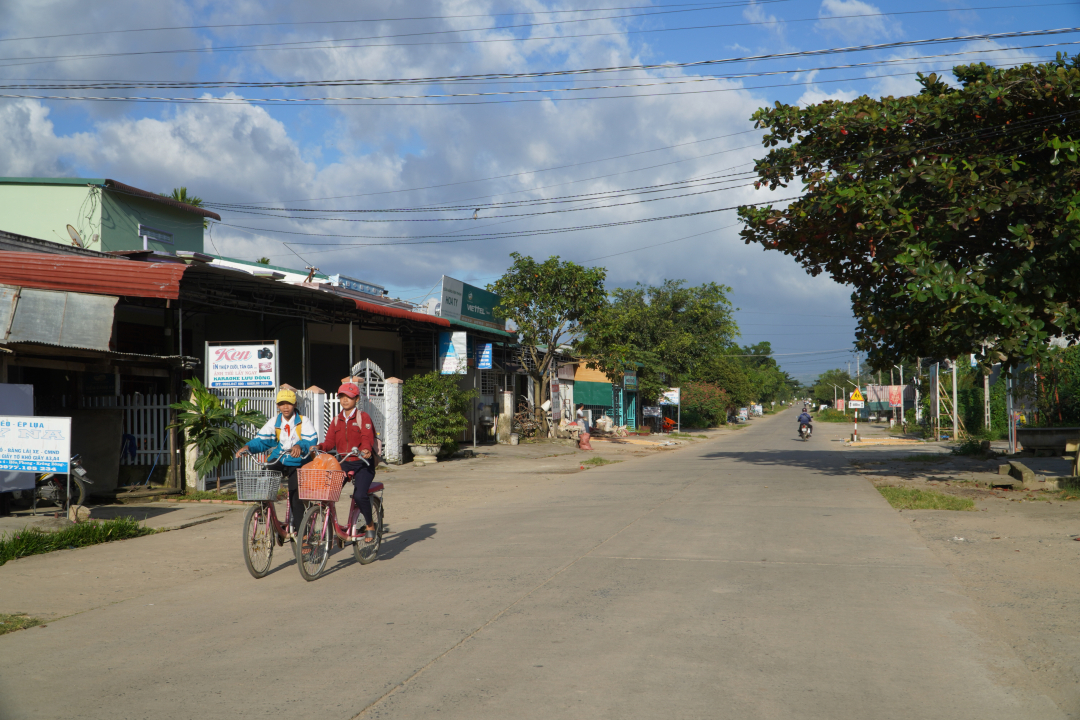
855	29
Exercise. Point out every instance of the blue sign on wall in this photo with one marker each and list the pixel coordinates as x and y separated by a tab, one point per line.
483	356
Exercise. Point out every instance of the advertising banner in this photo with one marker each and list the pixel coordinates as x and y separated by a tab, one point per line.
461	301
252	365
744	414
35	444
671	396
453	353
840	404
483	356
896	394
652	411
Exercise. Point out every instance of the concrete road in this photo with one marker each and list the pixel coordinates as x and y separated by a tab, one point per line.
751	576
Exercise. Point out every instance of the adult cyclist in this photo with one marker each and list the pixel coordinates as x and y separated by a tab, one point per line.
287	437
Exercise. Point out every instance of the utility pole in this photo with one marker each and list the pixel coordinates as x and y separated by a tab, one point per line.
955	416
1009	412
918	405
936	390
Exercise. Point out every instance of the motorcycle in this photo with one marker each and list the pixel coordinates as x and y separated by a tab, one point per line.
804	431
52	488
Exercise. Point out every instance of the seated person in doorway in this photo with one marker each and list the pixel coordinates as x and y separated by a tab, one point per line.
287	438
805	419
353	429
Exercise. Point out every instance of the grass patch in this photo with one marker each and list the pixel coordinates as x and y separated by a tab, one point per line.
598	461
831	415
969	447
23	543
230	494
17	621
924	458
913	499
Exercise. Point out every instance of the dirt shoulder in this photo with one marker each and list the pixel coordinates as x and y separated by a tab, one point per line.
1015	553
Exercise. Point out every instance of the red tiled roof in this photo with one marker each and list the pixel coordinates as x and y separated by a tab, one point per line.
400	313
96	276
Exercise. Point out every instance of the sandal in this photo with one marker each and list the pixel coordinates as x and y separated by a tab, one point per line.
369	536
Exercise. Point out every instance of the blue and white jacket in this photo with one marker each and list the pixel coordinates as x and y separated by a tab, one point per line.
269	439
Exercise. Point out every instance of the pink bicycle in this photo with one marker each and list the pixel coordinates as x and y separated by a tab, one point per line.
262	530
319	528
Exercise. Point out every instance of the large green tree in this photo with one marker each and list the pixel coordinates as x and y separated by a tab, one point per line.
666	333
953	213
548	302
768	381
830	385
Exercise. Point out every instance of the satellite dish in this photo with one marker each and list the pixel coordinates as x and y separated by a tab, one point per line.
76	239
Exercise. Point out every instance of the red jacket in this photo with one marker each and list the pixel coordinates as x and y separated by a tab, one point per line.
357	433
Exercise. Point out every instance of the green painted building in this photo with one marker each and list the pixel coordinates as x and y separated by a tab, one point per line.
107	215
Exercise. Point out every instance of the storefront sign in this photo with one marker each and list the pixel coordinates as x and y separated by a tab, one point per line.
461	301
35	444
483	356
242	365
652	411
671	396
453	353
744	414
629	381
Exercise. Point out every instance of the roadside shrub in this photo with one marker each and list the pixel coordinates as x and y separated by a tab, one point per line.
704	404
831	415
437	408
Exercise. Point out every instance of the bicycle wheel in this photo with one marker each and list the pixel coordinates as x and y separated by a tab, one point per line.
366	552
258	540
313	542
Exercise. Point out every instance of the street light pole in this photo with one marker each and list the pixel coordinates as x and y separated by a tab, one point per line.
901	367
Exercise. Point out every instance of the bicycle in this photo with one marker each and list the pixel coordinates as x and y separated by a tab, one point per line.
262	530
319	527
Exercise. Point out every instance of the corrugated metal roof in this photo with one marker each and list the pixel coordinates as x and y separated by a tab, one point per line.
129	190
22	243
482	328
61	318
97	276
400	313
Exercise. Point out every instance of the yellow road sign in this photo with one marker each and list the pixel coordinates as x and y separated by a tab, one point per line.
857	396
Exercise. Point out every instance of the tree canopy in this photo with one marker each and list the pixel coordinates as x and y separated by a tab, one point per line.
548	302
665	332
953	213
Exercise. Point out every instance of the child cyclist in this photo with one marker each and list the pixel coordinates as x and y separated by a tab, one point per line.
351	429
288	437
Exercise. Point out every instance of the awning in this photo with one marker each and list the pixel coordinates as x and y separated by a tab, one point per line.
482	328
394	312
65	319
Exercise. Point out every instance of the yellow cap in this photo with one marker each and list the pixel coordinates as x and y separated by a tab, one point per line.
286	396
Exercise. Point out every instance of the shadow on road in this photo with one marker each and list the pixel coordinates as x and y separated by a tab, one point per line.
829	463
395	545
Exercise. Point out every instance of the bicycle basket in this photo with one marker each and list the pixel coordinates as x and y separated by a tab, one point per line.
257	485
319	484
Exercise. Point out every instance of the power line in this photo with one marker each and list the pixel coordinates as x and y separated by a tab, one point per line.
311	44
707	6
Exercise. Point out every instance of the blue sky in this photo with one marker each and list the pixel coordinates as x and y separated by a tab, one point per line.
405	154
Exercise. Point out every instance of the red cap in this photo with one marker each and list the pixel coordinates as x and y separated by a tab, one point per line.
349	389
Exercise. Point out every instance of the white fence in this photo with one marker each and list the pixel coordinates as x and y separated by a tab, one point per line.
146	417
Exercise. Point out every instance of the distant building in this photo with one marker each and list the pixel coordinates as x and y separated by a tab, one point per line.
106	215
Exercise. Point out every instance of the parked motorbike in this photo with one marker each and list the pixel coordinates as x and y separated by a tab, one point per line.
52	488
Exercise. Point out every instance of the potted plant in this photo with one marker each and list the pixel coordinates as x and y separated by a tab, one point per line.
211	427
436	407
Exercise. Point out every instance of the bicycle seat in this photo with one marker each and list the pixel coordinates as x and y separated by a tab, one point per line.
375	487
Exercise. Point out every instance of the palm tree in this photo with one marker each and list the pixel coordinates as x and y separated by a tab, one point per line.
263	261
180	195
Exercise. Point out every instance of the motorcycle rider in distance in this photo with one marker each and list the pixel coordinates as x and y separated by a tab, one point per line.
805	419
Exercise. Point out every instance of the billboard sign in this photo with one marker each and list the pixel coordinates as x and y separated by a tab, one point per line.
453	353
35	444
253	365
671	396
652	411
461	301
